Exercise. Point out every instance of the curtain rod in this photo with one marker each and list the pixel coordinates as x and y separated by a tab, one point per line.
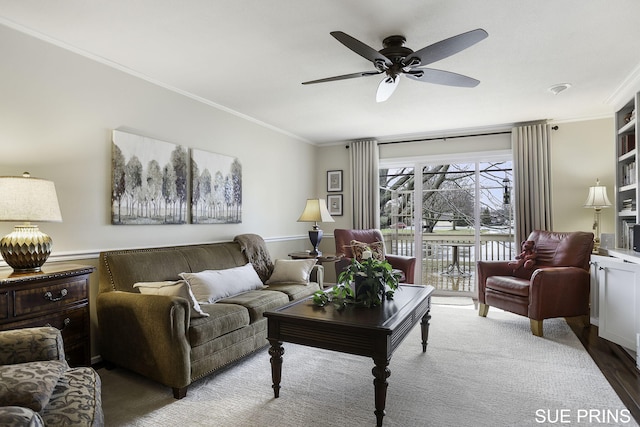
444	138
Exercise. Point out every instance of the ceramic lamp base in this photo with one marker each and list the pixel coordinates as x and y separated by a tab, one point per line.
26	249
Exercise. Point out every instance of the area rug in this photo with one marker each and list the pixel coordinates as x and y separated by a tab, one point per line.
451	300
476	372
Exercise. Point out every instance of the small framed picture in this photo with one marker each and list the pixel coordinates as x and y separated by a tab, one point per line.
334	180
334	204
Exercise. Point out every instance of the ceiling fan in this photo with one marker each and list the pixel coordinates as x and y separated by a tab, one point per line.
395	59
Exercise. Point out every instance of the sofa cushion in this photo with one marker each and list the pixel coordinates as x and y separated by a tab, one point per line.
223	318
76	400
376	248
213	285
177	288
257	302
292	271
295	292
29	384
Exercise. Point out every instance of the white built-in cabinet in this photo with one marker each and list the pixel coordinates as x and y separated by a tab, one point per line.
615	274
615	296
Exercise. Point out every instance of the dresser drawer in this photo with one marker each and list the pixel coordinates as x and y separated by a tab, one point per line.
53	296
72	323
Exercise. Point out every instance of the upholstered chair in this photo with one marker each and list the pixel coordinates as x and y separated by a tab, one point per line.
556	286
37	386
343	237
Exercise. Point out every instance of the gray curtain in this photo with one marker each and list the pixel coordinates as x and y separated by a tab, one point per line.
364	159
532	178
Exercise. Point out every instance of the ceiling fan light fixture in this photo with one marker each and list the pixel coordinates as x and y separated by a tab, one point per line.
556	89
386	87
396	59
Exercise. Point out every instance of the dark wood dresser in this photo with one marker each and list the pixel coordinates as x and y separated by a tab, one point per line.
57	296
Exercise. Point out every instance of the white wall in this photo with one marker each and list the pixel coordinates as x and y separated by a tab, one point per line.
57	111
582	152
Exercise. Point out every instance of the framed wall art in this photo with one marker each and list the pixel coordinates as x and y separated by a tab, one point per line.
216	188
334	204
149	183
334	180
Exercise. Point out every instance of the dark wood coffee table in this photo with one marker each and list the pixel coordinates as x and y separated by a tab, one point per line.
373	332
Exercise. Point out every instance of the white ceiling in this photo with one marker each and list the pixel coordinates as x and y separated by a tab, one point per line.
250	56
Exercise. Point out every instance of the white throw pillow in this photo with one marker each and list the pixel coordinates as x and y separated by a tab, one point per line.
178	288
292	271
213	285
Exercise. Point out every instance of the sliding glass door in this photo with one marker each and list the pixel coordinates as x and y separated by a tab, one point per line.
448	215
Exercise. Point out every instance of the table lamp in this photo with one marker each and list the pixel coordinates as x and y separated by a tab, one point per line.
597	199
315	211
27	199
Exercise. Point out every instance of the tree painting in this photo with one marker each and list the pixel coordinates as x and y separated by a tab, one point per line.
149	181
216	188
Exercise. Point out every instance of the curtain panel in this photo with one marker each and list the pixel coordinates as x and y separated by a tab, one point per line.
364	160
532	178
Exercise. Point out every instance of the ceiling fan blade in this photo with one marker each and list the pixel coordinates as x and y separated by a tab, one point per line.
386	87
344	77
361	49
441	77
445	48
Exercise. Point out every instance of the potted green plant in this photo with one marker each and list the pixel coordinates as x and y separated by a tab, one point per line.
363	283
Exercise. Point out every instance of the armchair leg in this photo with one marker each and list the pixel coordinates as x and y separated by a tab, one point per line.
483	310
536	327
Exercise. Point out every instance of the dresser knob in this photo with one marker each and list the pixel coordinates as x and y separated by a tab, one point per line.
49	296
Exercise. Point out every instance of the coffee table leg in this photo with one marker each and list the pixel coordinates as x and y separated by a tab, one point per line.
276	351
380	372
424	326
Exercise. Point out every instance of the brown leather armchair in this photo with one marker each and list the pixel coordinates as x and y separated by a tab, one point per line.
406	265
557	286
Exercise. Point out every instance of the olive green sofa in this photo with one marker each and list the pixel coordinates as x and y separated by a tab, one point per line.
155	335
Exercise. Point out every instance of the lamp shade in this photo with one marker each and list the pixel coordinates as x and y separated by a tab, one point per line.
315	211
28	199
597	197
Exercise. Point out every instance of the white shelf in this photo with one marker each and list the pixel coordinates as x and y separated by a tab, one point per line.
628	127
626	156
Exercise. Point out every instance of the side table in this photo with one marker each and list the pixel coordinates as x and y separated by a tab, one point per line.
320	258
57	296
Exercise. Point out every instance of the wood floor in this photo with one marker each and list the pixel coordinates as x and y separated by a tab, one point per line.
618	366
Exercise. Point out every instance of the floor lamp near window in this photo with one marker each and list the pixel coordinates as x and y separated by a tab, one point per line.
315	211
597	199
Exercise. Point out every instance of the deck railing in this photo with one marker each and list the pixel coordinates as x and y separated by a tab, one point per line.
448	260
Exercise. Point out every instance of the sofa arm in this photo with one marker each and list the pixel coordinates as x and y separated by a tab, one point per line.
30	345
404	263
491	268
146	334
559	291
